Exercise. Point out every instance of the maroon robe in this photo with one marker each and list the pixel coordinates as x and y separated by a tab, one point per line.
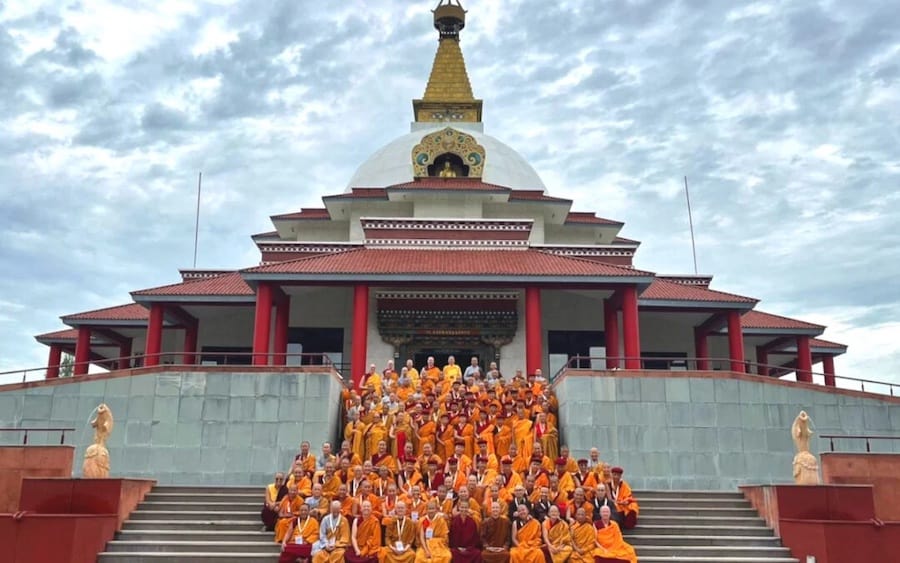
464	534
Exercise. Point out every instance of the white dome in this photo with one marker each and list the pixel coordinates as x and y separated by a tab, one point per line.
392	163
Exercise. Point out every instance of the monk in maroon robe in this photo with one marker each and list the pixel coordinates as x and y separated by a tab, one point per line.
465	541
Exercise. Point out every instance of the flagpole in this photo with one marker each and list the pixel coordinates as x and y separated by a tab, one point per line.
687	195
197	218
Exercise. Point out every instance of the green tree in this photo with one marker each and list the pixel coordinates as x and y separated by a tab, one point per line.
65	366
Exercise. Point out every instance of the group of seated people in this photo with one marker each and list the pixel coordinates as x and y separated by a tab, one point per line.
444	465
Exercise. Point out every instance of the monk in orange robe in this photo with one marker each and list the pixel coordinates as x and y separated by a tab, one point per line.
434	537
274	493
557	539
354	433
526	538
365	537
334	537
329	481
301	480
383	458
425	434
609	540
306	460
399	536
547	435
495	534
522	434
465	432
584	538
503	438
301	534
287	510
626	505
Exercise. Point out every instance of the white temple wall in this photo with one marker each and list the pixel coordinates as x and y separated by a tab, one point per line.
378	351
567	234
512	356
322	231
519	211
450	207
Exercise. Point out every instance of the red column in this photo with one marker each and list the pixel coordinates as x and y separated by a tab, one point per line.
53	361
736	341
153	346
125	355
189	354
282	323
630	328
828	368
804	360
701	348
762	358
263	324
611	328
82	351
533	337
360	332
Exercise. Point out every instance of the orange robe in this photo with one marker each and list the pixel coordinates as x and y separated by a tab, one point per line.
308	530
308	464
287	505
529	541
559	537
368	539
439	542
625	502
523	437
426	436
549	440
330	486
612	546
396	530
353	433
583	539
503	439
340	534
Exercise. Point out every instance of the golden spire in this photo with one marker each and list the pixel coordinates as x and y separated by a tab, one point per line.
448	95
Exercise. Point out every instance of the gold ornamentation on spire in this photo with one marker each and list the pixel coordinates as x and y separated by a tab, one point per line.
448	95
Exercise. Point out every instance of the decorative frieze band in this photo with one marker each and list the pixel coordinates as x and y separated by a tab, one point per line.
448	225
440	244
450	295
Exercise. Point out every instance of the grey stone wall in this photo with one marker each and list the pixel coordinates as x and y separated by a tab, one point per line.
187	428
700	433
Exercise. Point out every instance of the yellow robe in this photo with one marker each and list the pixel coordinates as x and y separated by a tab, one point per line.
452	373
583	538
439	543
612	545
308	530
559	537
353	433
529	540
341	536
368	537
281	526
523	437
395	530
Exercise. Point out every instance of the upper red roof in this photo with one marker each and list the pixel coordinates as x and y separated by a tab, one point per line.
588	217
369	193
623	240
231	284
534	195
663	290
464	184
129	312
759	319
305	213
819	343
65	334
447	262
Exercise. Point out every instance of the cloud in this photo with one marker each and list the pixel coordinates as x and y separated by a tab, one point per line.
781	115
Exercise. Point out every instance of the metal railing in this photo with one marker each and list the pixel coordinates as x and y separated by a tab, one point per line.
688	363
832	437
62	433
205	361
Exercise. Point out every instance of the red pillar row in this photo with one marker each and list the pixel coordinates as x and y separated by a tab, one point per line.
533	334
53	361
804	359
701	348
358	347
611	330
263	324
630	328
762	359
282	324
82	351
736	341
828	368
153	347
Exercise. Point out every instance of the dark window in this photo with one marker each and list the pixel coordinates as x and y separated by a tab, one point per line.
226	355
315	340
664	360
575	343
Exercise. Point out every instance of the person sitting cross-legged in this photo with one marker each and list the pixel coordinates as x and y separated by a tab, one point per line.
302	532
557	539
465	542
526	538
399	536
365	538
495	533
334	537
610	544
434	535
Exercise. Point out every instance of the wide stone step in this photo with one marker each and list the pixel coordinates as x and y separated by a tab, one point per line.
712	551
676	512
701	520
192	547
195	535
214	557
697	559
205	490
193	516
256	498
748	541
662	502
210	506
235	524
657	493
646	528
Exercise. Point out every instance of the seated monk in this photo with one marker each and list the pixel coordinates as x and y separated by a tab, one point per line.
434	537
365	495
274	493
465	542
610	544
584	538
302	532
334	537
305	459
526	538
626	505
287	510
399	536
365	538
557	541
317	502
301	480
495	534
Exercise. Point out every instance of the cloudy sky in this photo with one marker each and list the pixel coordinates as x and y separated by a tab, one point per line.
784	116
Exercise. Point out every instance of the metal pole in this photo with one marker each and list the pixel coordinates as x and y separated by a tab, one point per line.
197	218
687	195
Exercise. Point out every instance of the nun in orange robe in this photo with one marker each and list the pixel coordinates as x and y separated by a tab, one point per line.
609	539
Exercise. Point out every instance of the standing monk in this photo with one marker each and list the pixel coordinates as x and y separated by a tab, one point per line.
609	540
399	536
334	537
495	532
465	542
526	538
365	538
434	537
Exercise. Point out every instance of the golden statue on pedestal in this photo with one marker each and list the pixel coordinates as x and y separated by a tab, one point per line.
447	171
806	467
96	457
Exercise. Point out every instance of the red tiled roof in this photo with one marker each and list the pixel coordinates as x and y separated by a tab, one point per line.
759	319
819	343
623	240
225	285
534	195
455	184
265	235
588	217
305	213
663	290
65	334
357	193
447	262
129	312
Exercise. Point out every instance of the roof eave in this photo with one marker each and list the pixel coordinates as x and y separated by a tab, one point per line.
444	278
780	331
691	304
200	299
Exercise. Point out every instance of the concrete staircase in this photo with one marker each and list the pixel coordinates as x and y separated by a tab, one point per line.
221	524
702	527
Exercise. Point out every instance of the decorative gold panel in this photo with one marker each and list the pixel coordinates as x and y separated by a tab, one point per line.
451	141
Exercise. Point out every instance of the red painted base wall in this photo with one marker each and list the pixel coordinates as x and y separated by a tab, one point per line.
882	471
17	462
84	496
55	538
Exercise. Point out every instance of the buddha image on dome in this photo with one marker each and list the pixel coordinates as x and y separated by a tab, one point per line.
448	166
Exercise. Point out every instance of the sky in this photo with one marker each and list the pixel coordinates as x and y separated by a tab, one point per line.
783	115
